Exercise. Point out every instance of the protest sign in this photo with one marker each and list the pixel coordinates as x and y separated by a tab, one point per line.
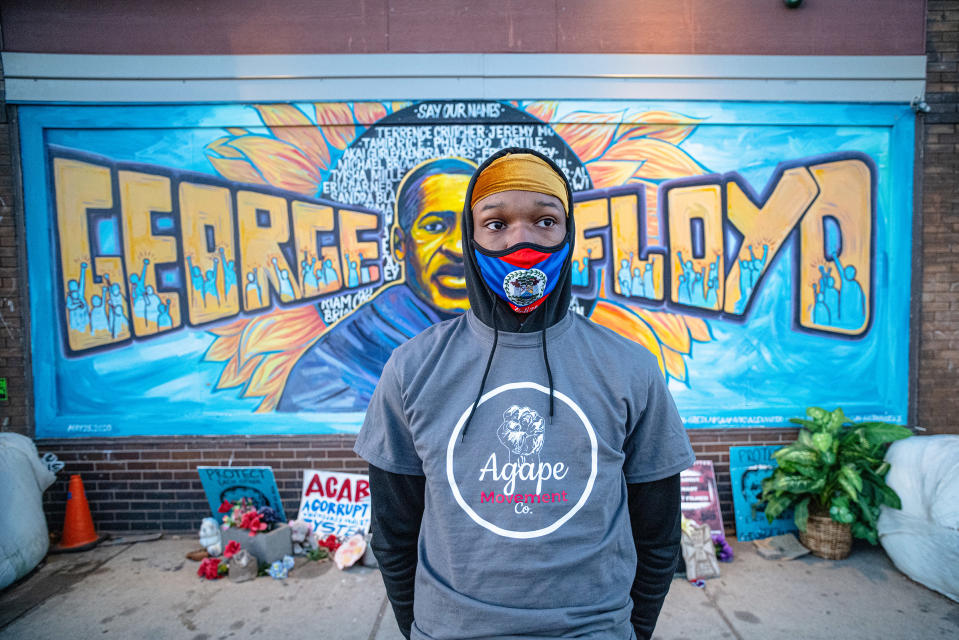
232	483
700	499
335	502
748	467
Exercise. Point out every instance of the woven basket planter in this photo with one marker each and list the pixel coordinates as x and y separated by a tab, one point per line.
826	538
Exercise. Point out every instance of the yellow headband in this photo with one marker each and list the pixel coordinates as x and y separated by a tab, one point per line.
520	172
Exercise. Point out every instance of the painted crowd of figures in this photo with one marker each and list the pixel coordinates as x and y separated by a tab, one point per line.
107	311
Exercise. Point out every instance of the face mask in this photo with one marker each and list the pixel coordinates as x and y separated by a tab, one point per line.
522	275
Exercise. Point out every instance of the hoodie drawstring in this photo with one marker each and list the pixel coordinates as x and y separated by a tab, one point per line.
489	364
549	372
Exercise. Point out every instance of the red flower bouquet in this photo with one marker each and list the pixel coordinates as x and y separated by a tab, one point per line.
211	569
231	549
251	520
243	514
330	543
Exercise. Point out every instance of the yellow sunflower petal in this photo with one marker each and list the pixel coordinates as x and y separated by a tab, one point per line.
222	349
280	330
662	159
263	378
337	114
233	375
675	365
611	174
282	165
628	325
236	170
668	126
587	133
290	124
368	113
222	147
237	131
266	351
698	329
670	329
231	328
269	380
542	109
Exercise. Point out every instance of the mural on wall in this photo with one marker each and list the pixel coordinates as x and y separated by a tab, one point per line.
249	268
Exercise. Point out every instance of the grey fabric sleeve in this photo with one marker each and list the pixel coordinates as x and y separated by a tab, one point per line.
657	446
385	439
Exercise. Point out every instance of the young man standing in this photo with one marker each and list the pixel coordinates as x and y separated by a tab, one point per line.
524	461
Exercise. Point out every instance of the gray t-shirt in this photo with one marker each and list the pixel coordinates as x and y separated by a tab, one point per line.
525	532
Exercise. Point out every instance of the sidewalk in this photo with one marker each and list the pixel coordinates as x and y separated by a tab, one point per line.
150	590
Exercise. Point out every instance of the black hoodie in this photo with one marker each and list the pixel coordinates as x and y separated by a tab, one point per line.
398	499
489	308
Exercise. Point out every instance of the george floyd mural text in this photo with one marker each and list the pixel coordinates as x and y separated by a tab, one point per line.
268	271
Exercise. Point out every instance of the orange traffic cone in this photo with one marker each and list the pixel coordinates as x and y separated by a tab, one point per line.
78	532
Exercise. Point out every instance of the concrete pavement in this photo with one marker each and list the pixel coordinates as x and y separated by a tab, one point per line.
150	590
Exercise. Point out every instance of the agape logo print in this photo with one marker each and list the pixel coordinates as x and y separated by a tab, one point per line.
522	432
536	485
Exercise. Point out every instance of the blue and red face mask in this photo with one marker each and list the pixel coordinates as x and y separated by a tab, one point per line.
522	275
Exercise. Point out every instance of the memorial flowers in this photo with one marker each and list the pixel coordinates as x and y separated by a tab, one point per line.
330	543
723	551
211	569
232	548
243	514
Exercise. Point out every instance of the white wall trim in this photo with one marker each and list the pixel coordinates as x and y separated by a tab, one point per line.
74	78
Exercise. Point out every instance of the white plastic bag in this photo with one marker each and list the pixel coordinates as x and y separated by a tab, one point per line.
23	479
922	539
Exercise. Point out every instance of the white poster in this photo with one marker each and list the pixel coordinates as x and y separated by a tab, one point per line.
335	502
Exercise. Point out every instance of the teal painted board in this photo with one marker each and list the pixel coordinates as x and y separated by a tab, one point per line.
748	467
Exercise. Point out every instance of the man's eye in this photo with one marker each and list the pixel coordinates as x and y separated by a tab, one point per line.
547	222
434	227
495	225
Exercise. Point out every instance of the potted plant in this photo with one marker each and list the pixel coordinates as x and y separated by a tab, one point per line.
833	477
259	531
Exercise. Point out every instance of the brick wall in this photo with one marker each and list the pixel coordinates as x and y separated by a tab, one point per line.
151	484
14	415
938	400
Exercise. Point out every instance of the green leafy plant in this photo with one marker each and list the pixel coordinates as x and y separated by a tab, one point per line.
317	554
835	467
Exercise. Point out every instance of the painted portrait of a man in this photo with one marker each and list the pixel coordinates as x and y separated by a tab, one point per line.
336	375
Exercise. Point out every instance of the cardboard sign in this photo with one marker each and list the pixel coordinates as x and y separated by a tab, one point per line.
334	502
232	483
700	499
748	467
